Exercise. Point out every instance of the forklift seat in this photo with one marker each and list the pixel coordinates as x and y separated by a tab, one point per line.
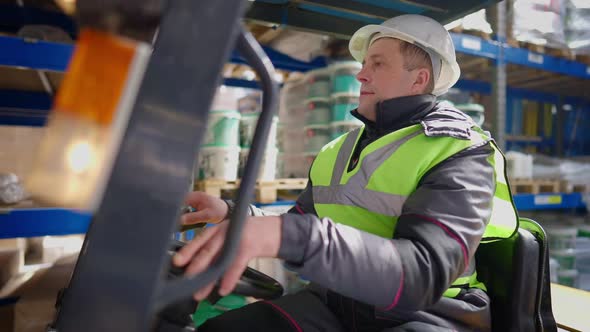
516	274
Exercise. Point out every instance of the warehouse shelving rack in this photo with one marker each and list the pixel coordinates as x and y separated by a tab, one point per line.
30	108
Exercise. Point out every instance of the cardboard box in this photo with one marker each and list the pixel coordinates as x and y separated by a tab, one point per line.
36	306
11	261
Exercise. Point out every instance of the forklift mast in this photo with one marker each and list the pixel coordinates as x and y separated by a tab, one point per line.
119	280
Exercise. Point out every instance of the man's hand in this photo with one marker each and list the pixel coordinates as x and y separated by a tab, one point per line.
261	237
209	209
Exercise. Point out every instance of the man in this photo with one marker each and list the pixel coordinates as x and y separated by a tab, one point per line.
388	225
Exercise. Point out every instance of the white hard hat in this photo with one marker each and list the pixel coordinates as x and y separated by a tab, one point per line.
421	31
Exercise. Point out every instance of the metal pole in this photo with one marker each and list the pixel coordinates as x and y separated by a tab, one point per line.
499	82
124	257
559	134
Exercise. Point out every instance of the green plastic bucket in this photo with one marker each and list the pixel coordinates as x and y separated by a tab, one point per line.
566	258
222	129
475	111
344	82
584	231
346	85
341	108
568	277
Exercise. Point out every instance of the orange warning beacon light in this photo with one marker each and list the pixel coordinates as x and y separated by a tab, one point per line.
88	119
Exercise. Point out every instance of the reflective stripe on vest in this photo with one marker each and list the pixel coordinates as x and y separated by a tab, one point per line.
371	196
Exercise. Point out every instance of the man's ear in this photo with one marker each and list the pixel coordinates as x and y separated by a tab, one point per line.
421	80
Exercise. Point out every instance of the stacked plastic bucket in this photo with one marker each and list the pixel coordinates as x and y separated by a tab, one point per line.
248	124
333	93
475	111
228	139
569	248
220	150
345	97
291	136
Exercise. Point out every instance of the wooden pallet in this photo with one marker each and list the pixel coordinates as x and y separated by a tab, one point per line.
266	191
534	186
565	53
476	33
567	187
583	58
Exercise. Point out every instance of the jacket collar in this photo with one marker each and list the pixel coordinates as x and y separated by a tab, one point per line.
397	113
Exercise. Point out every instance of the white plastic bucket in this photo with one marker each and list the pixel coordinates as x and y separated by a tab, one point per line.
343	127
248	127
318	113
316	137
519	165
218	163
222	129
268	167
561	238
226	98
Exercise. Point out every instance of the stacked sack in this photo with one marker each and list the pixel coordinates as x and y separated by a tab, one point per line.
540	22
577	26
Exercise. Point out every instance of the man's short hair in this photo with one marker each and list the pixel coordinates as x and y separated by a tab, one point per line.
414	58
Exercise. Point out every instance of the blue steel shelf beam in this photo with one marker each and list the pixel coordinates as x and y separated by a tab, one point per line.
528	202
486	88
40	55
55	57
480	47
41	222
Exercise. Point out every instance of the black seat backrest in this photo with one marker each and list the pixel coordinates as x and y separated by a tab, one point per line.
516	274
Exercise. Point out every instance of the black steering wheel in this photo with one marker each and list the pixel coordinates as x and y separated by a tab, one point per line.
252	282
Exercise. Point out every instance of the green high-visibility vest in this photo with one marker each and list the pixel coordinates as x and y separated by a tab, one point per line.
371	196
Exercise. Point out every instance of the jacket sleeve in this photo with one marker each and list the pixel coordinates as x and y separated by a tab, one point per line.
437	234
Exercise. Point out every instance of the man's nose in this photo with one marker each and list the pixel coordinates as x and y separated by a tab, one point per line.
362	75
